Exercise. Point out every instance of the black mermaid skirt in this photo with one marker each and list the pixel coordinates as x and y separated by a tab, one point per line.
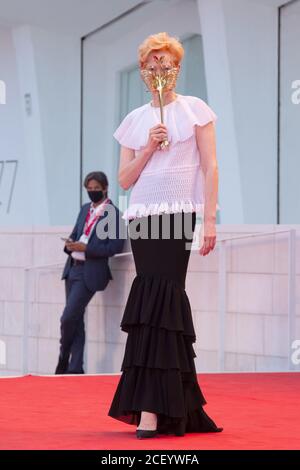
158	370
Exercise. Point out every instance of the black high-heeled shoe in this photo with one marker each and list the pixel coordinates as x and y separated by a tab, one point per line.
144	433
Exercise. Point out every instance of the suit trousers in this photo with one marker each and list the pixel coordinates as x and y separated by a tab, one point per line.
72	327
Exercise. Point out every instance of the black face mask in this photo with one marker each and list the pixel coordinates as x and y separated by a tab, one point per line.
95	196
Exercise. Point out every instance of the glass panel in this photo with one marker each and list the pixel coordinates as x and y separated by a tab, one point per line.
289	198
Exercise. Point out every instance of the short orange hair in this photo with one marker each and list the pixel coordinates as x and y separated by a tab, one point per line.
158	42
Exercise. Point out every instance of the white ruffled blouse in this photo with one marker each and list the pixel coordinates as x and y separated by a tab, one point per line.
172	180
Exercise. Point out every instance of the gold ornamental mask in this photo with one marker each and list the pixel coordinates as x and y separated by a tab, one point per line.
162	80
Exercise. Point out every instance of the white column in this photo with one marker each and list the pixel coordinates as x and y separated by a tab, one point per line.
240	54
218	82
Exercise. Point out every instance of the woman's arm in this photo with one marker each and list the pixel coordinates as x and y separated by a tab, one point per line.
206	142
131	166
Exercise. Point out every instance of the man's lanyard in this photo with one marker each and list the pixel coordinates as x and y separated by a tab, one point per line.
89	222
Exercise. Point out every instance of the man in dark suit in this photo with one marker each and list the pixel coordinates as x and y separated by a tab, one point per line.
87	270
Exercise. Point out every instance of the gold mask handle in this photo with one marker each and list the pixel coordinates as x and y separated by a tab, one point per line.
161	82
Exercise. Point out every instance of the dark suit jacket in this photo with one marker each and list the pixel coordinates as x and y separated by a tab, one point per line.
97	272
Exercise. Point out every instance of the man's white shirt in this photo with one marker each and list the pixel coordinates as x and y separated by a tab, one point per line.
94	211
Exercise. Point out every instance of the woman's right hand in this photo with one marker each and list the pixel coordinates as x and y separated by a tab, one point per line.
157	134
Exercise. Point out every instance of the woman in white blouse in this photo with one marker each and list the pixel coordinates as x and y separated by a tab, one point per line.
158	389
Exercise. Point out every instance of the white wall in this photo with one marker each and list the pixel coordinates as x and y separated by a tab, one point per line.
240	45
256	303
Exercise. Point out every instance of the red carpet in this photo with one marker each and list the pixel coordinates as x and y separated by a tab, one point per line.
257	411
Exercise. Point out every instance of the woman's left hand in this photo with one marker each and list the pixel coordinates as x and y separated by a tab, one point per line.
209	238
